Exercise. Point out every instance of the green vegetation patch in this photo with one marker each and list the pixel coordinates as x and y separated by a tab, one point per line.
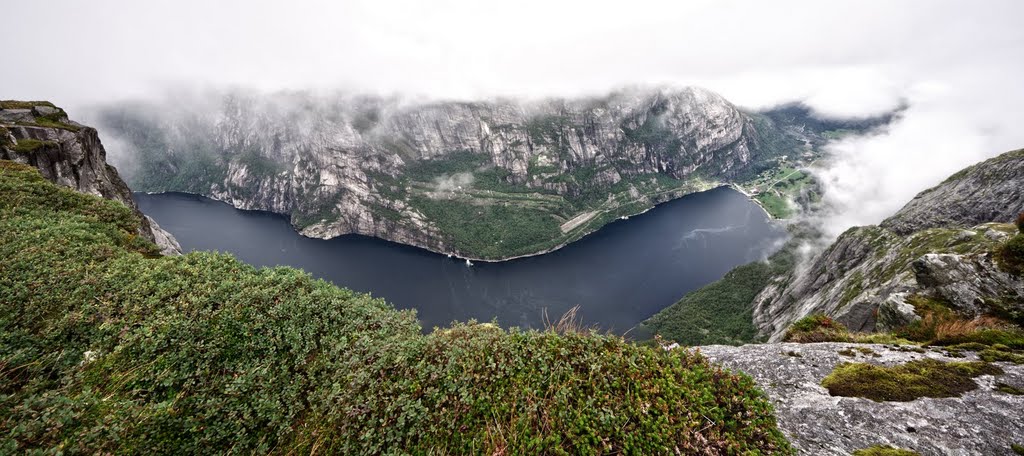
906	382
1019	449
993	355
1009	389
108	349
16	104
817	328
490	230
884	450
1010	257
722	312
31	145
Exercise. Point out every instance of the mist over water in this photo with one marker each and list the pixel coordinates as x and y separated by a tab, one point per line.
620	275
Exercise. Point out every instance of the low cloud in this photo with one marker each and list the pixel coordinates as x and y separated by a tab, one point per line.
453	182
954	64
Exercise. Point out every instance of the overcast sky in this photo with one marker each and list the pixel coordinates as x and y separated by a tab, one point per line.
959	64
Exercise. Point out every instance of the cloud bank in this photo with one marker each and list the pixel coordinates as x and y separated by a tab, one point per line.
956	64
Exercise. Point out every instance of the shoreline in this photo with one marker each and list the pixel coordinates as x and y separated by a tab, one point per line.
454	256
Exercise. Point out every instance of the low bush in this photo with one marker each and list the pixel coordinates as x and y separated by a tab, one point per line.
1010	257
104	350
817	328
906	382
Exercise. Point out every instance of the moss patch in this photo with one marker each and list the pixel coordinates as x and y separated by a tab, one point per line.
884	450
1009	389
906	382
992	355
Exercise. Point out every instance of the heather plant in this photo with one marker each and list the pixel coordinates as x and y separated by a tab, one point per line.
817	328
107	348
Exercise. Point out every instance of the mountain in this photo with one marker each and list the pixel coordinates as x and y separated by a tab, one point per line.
939	245
70	154
491	180
939	248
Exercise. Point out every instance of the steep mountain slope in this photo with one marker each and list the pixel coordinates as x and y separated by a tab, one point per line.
69	154
938	246
488	180
988	191
933	246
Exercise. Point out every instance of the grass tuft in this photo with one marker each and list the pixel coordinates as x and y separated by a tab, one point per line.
884	450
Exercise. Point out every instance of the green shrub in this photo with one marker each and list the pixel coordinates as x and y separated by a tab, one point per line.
817	328
1020	222
1010	257
906	382
884	450
1019	449
106	351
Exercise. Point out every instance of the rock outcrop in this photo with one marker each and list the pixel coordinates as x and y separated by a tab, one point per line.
412	172
932	247
991	191
69	154
984	421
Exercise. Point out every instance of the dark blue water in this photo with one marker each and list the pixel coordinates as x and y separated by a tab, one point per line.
620	275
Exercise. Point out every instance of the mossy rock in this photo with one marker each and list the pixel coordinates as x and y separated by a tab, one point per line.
992	355
906	382
17	104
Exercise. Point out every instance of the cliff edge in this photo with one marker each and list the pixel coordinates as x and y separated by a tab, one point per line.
67	153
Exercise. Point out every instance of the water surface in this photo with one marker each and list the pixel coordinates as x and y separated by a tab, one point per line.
619	275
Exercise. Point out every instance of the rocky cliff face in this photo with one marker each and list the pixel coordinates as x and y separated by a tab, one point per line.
986	192
491	179
69	154
933	247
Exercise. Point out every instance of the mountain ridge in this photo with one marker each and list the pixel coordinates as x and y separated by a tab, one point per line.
484	180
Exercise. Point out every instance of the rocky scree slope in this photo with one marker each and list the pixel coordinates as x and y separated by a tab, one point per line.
938	246
70	154
491	180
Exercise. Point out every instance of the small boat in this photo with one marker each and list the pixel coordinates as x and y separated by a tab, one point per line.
624	217
449	255
468	263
